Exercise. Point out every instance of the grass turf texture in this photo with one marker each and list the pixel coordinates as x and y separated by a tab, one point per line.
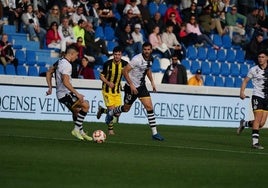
45	154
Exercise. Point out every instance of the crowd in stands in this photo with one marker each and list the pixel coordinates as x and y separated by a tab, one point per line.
171	26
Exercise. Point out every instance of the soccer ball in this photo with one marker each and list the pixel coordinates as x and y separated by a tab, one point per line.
99	136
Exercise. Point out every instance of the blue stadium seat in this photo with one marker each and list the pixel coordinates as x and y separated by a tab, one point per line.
240	56
20	55
215	69
2	69
31	45
42	70
30	57
186	64
32	71
194	66
211	54
21	70
230	56
201	53
250	85
10	69
225	69
209	81
96	74
9	29
243	70
153	8
217	40
226	41
238	82
109	33
221	57
205	68
111	45
162	8
99	33
234	70
219	81
156	65
229	82
191	53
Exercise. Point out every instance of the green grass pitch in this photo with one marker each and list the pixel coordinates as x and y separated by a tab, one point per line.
44	154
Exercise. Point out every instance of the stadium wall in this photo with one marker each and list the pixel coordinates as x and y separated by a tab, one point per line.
25	98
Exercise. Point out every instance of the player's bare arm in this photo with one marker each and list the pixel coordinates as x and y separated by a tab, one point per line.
68	85
243	87
49	76
110	84
150	77
126	71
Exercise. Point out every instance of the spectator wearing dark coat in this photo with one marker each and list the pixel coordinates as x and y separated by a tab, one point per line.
175	73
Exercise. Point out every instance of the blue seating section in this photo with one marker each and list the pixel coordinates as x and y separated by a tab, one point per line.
222	68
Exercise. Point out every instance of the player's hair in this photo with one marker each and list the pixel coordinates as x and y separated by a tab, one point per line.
117	49
147	44
263	52
71	48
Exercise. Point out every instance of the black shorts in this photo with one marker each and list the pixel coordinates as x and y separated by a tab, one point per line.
69	100
130	98
259	103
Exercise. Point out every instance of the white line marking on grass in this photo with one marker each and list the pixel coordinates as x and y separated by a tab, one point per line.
137	144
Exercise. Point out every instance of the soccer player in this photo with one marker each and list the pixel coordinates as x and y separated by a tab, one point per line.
134	73
65	92
259	99
111	85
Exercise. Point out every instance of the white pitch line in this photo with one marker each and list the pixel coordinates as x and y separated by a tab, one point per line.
147	145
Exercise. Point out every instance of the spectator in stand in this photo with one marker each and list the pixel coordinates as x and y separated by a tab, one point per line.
173	9
194	31
107	15
81	51
157	43
145	13
209	23
126	19
245	6
169	38
225	6
86	71
6	52
10	11
156	20
132	5
66	34
78	15
95	46
175	73
79	30
94	14
53	39
188	12
31	24
184	37
176	26
127	43
197	79
53	15
252	22
254	46
235	22
137	35
65	14
263	22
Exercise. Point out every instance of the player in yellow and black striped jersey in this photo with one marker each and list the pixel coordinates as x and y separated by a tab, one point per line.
111	76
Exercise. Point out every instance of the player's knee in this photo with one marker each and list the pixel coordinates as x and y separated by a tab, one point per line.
85	106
